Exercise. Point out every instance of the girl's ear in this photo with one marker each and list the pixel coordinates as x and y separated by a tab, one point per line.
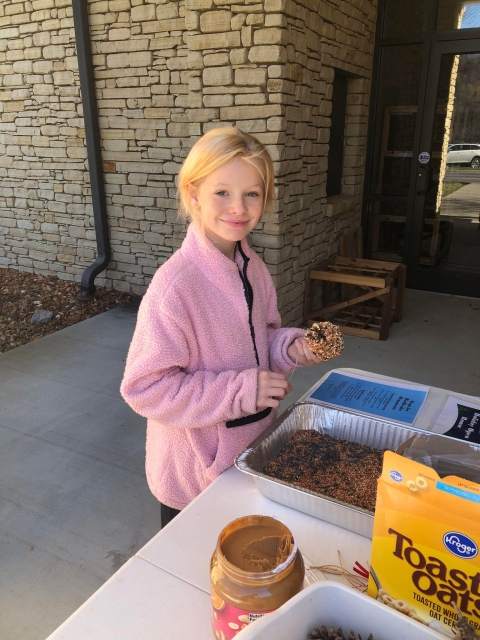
193	196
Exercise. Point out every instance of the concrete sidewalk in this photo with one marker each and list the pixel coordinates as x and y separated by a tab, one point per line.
74	503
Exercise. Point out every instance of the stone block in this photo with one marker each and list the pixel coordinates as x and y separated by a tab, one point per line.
119	5
23	66
42	39
250	98
238	56
140	167
247	34
195	60
192	20
270	36
129	92
119	34
100	6
48	227
198	5
250	77
225	100
154	238
165	43
9	32
71	63
277	124
43	90
248	113
275	20
216	59
154	112
215	21
131	59
177	63
276	6
166	11
217	76
43	66
25	224
43	4
201	115
238	21
270	53
50	130
63	78
54	52
213	41
121	47
143	12
77	232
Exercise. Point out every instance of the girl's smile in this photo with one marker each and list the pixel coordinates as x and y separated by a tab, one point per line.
231	202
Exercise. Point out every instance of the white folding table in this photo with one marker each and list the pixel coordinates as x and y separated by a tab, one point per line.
163	591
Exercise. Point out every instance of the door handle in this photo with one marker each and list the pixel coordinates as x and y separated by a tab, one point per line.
423	180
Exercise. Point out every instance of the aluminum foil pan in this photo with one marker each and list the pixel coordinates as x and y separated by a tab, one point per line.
337	424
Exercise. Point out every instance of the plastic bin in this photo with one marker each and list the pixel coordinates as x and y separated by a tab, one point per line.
335	605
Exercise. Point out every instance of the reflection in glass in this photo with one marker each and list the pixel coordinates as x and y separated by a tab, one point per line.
406	18
451	235
397	113
458	14
389	229
393	146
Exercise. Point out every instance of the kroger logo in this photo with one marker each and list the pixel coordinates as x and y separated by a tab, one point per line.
396	476
460	545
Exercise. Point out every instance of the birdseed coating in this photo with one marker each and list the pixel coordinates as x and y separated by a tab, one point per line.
336	468
325	340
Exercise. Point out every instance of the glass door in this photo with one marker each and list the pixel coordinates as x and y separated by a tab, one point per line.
394	148
443	252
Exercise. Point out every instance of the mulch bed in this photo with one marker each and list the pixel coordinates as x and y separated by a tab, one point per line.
22	293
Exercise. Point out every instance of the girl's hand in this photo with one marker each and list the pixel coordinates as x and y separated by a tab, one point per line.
272	387
299	351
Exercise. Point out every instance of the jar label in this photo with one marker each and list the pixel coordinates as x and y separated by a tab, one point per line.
228	620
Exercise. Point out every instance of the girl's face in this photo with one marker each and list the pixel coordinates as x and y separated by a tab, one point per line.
230	200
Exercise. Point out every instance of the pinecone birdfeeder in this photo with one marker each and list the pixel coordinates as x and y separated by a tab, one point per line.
333	634
325	340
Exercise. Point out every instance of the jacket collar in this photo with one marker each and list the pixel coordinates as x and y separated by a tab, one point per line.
215	266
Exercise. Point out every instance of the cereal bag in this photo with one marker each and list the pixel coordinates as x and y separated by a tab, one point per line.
425	548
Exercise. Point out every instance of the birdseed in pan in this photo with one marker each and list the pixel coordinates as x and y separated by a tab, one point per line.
339	469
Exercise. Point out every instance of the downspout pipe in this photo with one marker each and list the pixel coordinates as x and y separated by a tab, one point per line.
94	152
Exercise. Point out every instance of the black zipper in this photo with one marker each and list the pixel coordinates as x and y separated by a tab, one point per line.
248	290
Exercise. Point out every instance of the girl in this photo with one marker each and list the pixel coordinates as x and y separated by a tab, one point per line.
208	359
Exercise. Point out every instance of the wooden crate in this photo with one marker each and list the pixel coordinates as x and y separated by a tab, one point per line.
369	300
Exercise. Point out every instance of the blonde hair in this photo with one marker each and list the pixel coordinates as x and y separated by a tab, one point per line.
215	149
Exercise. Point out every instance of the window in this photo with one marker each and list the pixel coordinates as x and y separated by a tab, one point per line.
337	133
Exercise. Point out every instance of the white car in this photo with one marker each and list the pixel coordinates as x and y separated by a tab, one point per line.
467	154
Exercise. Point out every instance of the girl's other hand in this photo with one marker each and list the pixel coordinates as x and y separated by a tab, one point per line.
272	387
299	351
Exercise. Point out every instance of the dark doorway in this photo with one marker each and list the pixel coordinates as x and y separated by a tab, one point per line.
337	135
422	202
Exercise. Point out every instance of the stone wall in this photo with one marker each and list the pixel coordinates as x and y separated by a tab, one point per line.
45	212
165	73
321	37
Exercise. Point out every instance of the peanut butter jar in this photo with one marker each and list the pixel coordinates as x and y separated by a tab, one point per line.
255	568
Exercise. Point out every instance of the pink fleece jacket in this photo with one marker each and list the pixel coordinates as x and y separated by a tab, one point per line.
191	365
